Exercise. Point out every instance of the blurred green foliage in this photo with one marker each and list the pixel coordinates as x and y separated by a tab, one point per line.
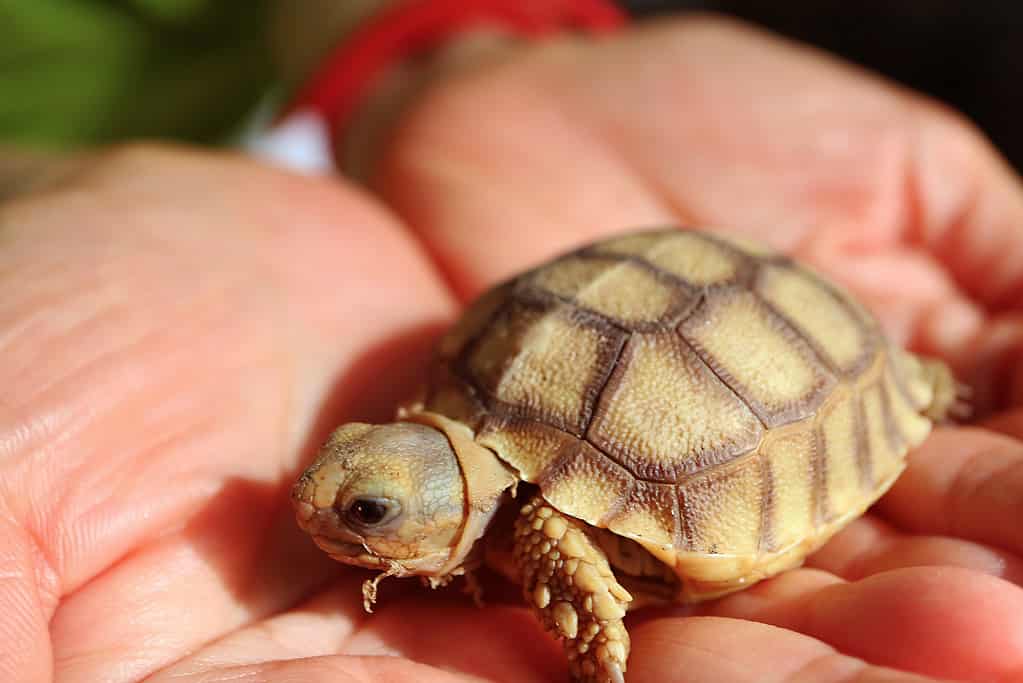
76	72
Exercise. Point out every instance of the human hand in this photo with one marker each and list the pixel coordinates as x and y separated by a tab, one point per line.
706	123
179	333
182	331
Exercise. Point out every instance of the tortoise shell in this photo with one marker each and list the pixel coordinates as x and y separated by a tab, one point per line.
713	401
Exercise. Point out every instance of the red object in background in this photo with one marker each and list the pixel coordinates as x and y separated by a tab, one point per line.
418	26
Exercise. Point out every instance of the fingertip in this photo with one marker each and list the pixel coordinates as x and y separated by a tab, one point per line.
28	596
965	482
714	649
941	621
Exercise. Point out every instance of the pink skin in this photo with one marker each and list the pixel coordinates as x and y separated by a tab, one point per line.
180	330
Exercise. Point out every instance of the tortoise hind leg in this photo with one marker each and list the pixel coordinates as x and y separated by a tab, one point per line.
949	397
568	581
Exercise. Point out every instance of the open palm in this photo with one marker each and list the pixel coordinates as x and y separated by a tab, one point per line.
179	331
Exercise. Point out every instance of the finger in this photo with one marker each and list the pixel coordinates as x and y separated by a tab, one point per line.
438	629
317	627
564	153
1009	423
168	353
510	649
963	482
942	622
902	202
712	649
320	670
224	570
25	601
921	306
871	546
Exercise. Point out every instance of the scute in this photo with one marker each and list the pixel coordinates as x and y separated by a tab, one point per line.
884	443
722	508
702	395
623	291
689	256
664	413
533	448
761	358
588	483
791	466
845	460
634	296
650	516
833	329
546	364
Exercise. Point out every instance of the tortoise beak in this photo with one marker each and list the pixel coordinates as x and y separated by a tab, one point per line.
348	553
339	543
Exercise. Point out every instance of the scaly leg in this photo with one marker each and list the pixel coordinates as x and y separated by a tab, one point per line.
950	398
568	581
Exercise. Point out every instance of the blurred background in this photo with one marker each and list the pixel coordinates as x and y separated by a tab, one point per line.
84	72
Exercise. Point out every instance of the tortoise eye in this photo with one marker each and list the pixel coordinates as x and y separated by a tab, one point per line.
372	511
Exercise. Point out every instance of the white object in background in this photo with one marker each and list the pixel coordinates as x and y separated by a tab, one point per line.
299	142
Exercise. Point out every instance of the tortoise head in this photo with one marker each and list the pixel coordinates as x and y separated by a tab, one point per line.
385	497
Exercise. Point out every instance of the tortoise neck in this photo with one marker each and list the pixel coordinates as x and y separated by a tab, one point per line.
486	478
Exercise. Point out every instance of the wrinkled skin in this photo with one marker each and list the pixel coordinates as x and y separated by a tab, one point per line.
179	331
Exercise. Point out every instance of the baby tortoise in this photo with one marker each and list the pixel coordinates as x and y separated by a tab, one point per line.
692	414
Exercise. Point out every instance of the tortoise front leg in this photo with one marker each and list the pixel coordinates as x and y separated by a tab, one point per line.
568	581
